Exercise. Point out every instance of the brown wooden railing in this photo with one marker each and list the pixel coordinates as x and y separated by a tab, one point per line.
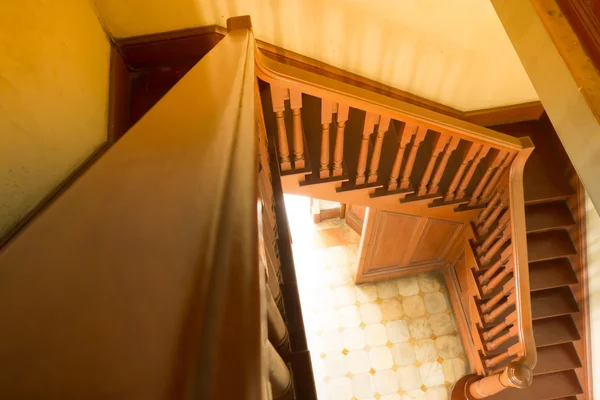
146	278
486	174
496	256
464	182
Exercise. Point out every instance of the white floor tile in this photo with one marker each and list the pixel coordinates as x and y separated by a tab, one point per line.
386	289
408	286
370	313
397	331
381	358
419	328
375	335
363	385
435	302
413	306
409	378
358	361
403	354
354	338
386	382
391	310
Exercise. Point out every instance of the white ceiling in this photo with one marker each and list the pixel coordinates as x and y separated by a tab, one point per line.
452	52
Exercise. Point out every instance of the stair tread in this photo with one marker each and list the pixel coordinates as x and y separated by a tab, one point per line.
551	273
555	330
553	302
556	358
540	184
548	245
553	386
549	215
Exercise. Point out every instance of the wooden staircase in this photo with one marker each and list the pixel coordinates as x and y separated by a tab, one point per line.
337	143
553	209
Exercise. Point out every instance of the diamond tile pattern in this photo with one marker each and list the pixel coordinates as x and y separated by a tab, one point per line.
387	340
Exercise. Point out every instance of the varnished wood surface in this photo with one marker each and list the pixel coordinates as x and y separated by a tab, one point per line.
323	87
118	289
395	244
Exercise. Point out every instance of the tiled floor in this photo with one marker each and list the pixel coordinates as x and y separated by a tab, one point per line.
390	340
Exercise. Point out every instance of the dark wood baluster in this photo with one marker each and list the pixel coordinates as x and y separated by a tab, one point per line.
497	175
439	172
464	184
488	209
370	121
496	246
509	320
496	162
420	133
506	254
279	374
278	96
405	138
338	154
326	112
512	351
438	146
470	153
495	281
382	128
494	234
494	344
483	229
496	312
506	289
278	333
298	139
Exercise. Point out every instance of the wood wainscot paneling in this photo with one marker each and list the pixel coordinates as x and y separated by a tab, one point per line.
355	217
395	245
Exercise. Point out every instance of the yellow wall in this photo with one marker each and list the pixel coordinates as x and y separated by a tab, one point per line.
54	71
464	61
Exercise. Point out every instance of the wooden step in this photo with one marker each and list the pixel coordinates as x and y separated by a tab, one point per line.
549	245
555	386
553	302
550	274
546	216
560	357
555	330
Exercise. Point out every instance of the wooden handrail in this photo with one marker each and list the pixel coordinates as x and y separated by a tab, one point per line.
323	87
136	281
505	211
516	207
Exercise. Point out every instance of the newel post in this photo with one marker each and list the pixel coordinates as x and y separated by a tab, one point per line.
474	387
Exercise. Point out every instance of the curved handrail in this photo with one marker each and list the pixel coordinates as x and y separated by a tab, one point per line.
313	84
516	208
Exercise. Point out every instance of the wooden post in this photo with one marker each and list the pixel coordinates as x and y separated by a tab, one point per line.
326	111
279	374
438	146
370	121
500	156
483	150
382	128
412	156
338	154
278	95
515	375
278	333
298	139
470	153
405	138
439	172
497	175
